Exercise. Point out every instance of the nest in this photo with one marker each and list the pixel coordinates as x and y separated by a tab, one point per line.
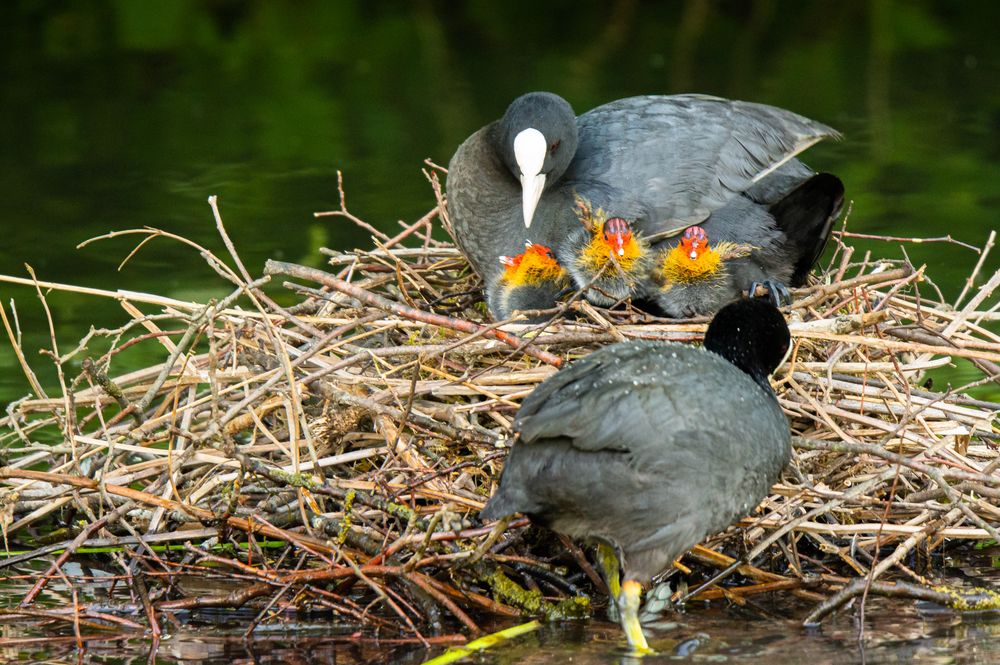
333	454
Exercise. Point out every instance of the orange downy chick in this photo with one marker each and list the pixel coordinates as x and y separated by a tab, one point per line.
536	265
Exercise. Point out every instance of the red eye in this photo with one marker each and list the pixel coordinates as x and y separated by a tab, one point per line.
554	147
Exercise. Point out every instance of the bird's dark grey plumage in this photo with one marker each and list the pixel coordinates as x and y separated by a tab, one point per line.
652	446
662	162
805	216
683	156
504	300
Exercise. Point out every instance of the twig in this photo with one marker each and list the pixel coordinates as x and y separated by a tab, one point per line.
868	236
343	212
273	267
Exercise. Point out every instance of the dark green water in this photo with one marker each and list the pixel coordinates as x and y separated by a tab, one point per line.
120	114
117	115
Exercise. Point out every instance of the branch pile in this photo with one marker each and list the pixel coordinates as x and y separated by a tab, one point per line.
333	454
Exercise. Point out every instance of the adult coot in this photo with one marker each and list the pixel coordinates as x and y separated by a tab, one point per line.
532	279
742	244
651	446
664	162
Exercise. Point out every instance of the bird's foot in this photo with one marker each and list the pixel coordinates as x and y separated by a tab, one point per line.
628	606
775	290
657	600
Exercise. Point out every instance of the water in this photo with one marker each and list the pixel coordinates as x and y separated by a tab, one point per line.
117	115
762	631
704	637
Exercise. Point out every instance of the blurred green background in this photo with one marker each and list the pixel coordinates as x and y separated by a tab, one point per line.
116	114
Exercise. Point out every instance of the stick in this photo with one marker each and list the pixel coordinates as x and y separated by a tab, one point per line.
273	267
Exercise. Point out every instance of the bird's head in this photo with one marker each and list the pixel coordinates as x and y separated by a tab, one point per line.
618	234
612	239
539	137
536	264
694	242
693	258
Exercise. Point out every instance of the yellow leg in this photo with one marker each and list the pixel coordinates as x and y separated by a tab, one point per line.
628	606
608	561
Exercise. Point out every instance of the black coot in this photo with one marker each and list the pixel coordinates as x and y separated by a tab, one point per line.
663	162
651	446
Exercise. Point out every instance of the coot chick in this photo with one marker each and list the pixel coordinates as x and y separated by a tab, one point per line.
743	244
695	277
532	279
649	447
604	256
663	161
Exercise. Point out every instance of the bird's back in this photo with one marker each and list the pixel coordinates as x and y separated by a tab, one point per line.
650	446
687	155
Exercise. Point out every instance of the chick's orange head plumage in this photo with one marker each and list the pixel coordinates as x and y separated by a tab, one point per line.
694	242
535	265
613	238
692	259
617	234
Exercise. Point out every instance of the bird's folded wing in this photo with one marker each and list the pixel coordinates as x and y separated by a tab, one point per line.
689	153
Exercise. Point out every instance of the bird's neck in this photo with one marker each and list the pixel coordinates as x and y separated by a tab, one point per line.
484	185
